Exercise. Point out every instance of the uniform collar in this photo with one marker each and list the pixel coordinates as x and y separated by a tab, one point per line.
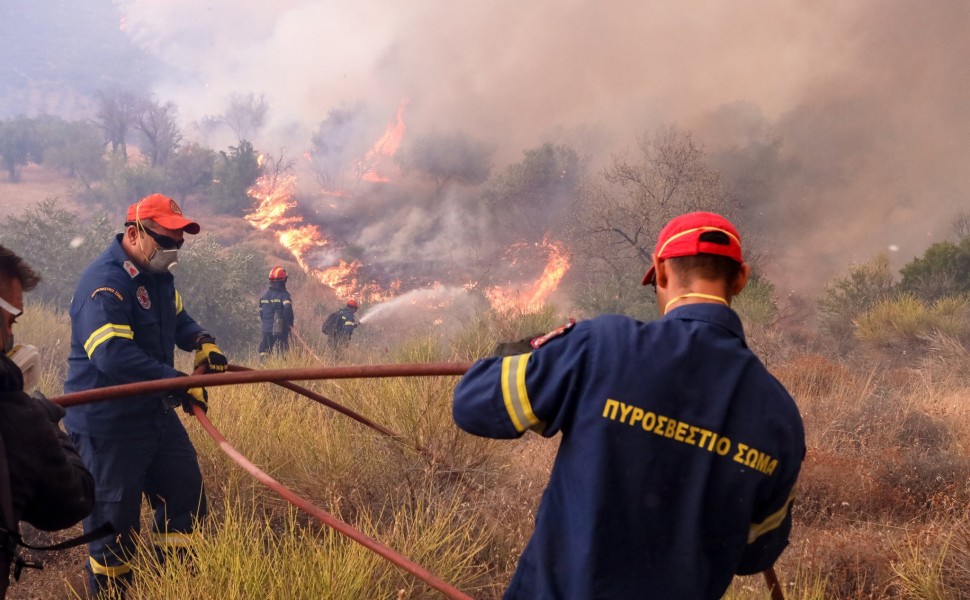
119	256
717	314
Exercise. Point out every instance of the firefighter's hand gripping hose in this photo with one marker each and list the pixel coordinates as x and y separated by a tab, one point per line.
283	377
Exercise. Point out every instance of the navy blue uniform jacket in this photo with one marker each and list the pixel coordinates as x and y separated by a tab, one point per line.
677	463
125	324
276	299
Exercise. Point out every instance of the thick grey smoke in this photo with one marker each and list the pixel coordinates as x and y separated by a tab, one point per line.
843	125
865	103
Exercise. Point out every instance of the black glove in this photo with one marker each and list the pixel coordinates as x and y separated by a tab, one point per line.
210	355
11	379
522	346
53	411
195	396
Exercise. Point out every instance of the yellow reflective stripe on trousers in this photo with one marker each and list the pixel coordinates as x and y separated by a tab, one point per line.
173	540
514	393
773	521
106	332
99	569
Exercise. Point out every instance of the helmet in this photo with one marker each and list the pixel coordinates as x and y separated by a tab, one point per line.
277	274
352	303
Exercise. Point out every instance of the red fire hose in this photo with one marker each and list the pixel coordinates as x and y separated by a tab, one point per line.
283	378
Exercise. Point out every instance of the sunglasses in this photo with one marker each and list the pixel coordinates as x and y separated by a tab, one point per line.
162	240
14	312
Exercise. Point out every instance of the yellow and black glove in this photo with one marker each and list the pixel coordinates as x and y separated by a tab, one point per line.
196	396
210	355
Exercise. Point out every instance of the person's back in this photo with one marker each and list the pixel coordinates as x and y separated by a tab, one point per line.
679	450
339	326
275	313
652	434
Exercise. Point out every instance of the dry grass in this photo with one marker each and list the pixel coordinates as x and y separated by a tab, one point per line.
36	184
881	509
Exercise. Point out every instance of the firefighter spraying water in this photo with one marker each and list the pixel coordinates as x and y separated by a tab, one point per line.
340	326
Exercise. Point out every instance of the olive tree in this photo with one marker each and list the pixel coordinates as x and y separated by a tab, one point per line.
117	113
447	158
620	215
157	127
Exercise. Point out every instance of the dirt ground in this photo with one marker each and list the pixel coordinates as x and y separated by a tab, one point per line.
63	571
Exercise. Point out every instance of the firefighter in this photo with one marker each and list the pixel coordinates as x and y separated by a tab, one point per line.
42	478
340	325
276	314
679	450
126	320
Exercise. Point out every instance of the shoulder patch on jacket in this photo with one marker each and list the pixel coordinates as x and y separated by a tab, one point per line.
558	331
131	269
142	294
109	290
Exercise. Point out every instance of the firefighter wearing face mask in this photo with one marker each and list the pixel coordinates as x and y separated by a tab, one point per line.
126	320
275	314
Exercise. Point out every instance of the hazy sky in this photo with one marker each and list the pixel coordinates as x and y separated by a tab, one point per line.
865	103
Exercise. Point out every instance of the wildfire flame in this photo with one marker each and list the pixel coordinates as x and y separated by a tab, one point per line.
532	297
276	211
377	157
274	193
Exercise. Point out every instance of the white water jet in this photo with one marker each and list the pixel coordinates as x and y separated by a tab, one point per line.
421	301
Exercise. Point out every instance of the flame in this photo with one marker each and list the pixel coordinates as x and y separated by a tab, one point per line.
533	296
274	193
385	148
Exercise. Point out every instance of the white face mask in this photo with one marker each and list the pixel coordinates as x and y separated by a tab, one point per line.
163	261
27	357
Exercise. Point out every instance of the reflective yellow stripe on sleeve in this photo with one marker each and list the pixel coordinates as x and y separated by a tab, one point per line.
99	569
178	302
106	332
773	521
514	393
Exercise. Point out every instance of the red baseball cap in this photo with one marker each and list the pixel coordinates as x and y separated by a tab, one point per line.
164	211
683	236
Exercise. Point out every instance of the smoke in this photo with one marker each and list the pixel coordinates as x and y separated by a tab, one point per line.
843	126
870	159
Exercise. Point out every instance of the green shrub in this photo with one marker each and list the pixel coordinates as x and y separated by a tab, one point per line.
906	323
847	297
58	244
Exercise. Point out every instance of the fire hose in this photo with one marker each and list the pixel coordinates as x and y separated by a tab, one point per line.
284	377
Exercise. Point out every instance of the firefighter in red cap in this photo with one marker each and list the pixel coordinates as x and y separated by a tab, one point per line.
679	451
340	325
276	314
126	320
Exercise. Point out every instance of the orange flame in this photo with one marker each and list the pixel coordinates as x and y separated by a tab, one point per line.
386	147
274	193
533	296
